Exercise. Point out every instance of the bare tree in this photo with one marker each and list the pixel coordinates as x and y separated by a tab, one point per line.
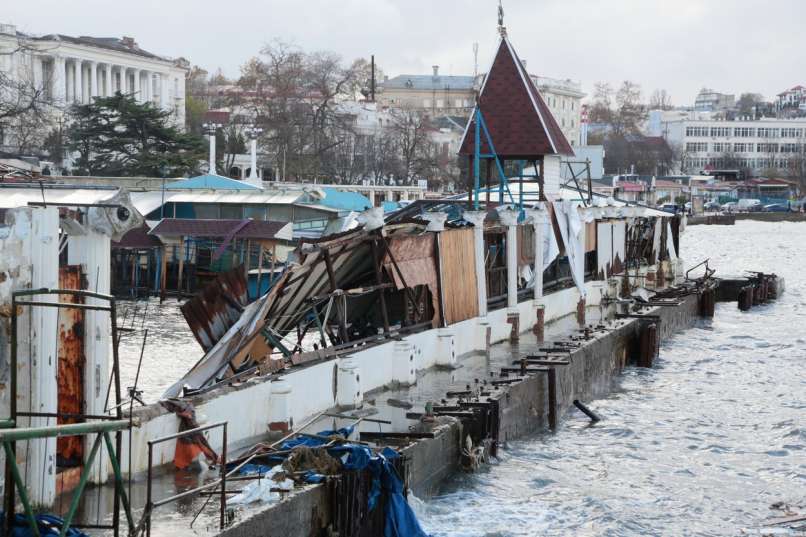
660	100
25	102
601	109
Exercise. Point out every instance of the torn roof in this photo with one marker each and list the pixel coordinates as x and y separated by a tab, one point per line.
518	120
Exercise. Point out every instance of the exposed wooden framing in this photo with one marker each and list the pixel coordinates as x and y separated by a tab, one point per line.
259	268
273	261
376	264
181	264
333	287
163	272
409	292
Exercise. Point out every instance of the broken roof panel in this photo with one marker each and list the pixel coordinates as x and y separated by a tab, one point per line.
518	120
251	229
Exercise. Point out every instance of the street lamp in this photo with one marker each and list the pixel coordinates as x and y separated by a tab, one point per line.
210	129
253	132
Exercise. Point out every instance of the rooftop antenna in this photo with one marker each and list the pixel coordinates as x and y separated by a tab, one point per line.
501	28
475	60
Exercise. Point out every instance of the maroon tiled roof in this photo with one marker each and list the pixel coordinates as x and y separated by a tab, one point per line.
191	227
519	121
137	238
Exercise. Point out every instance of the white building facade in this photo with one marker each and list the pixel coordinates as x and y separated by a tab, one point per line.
564	98
71	70
760	146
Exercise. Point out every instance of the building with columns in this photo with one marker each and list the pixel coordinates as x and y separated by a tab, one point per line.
72	70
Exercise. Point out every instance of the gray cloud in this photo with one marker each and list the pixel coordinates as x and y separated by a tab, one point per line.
679	45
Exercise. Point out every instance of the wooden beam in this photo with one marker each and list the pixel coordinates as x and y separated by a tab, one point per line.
376	263
331	274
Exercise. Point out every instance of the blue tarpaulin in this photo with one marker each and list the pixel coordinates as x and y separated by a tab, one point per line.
400	520
48	525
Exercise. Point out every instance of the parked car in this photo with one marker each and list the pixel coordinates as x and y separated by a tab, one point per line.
749	205
729	207
711	206
776	208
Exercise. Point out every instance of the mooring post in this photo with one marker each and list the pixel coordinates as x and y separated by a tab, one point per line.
539	328
581	312
552	379
514	320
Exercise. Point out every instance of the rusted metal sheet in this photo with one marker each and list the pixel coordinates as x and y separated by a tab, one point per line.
71	363
217	307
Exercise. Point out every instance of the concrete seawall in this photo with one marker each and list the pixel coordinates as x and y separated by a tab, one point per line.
522	408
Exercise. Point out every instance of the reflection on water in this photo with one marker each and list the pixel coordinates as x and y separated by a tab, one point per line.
170	348
702	444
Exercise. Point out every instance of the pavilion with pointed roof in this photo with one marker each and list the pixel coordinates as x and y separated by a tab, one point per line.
511	122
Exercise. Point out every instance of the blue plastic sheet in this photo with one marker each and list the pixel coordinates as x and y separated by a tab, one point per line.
48	525
400	520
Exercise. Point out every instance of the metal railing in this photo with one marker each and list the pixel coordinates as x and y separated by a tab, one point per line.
222	481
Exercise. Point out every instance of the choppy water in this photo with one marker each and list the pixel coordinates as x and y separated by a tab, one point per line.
702	444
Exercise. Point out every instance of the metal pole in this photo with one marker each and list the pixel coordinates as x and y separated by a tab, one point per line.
476	159
223	479
11	450
149	476
118	435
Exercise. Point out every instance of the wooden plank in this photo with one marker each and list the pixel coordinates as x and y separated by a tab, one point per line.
457	261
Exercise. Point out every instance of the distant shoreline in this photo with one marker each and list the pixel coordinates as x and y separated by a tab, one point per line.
728	219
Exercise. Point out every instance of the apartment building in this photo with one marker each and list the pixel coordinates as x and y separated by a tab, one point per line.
441	95
756	146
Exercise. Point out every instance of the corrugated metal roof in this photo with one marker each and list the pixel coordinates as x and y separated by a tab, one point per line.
210	182
19	197
254	229
146	202
348	201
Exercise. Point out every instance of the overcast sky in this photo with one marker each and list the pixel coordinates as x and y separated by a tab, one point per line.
680	45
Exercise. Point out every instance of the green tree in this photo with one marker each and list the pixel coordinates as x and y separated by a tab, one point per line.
117	136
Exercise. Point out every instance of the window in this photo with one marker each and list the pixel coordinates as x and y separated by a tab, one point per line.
744	132
791	133
257	212
767	133
440	103
426	103
697	132
723	132
206	210
697	147
743	148
573	124
231	212
573	105
767	148
563	121
458	103
721	147
790	148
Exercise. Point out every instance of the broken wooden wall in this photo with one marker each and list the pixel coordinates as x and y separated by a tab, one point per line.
457	260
